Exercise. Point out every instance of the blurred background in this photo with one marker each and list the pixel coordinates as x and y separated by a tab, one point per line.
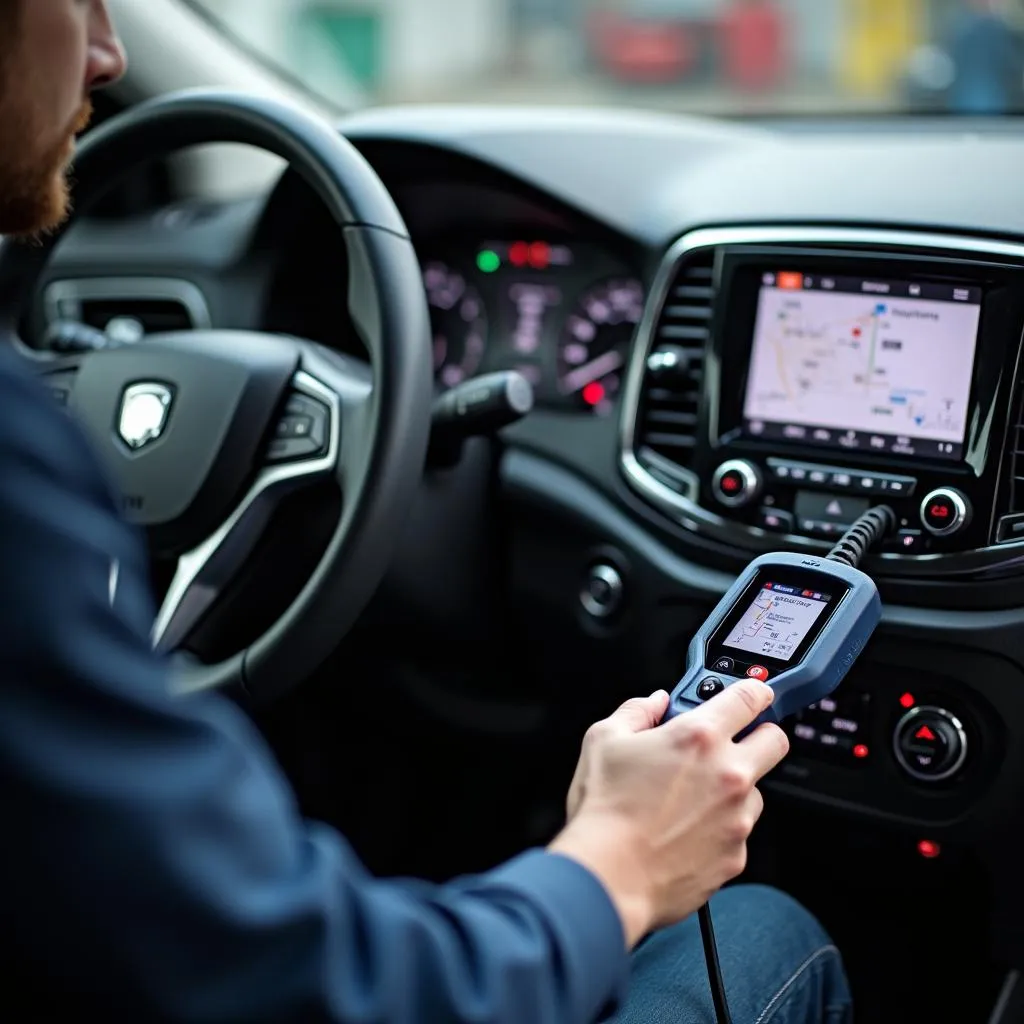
702	56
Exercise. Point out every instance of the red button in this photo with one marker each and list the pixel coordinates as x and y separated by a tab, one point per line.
940	514
758	672
731	483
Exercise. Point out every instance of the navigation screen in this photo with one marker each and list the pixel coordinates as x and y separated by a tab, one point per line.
777	621
870	365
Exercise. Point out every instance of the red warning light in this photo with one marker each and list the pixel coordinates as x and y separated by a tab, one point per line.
907	700
928	849
540	255
940	511
924	733
861	751
519	254
594	393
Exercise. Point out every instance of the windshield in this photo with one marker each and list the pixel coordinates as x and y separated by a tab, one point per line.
698	56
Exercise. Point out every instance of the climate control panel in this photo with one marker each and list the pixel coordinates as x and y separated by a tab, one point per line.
821	502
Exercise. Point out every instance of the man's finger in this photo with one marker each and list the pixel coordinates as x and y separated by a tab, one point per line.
764	748
737	706
640	713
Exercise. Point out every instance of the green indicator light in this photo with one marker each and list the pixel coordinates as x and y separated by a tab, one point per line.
488	261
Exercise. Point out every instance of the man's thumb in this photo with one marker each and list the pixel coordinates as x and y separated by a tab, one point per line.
639	714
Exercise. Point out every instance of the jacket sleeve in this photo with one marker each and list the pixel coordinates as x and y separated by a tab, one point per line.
156	862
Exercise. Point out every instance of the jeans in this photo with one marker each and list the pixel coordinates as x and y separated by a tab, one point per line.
778	964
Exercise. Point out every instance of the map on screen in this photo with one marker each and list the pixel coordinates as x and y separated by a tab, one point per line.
777	621
842	359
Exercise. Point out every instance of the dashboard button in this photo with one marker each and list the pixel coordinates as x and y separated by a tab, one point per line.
736	483
830	508
603	592
945	511
930	744
906	542
821	528
726	665
776	520
841	481
899	486
709	688
1010	528
758	672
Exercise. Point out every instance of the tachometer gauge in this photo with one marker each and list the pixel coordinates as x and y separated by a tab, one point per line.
458	321
594	345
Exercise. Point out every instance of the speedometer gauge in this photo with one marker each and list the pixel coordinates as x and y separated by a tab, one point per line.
594	344
458	323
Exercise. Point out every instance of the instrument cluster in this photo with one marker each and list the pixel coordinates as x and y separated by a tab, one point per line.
561	313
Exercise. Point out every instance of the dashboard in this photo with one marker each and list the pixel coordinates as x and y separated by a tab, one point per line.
739	338
561	312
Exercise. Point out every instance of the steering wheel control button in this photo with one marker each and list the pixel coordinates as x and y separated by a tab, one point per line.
302	431
736	483
945	512
758	672
930	744
710	687
603	591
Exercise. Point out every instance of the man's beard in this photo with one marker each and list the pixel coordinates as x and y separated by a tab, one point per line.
35	196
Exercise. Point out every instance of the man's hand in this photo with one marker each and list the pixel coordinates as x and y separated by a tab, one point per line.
662	815
637	715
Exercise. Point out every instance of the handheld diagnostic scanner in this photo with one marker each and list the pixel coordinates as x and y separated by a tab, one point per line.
793	621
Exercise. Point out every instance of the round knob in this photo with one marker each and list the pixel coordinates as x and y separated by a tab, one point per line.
930	744
736	483
945	511
603	591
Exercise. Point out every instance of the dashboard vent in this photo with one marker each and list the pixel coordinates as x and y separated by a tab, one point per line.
673	384
151	315
1015	453
127	309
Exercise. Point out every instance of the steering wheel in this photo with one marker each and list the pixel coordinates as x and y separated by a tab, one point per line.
206	430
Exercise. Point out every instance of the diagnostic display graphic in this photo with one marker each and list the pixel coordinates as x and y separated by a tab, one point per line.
778	621
863	364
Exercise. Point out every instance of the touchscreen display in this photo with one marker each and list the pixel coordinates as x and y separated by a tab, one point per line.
863	364
777	621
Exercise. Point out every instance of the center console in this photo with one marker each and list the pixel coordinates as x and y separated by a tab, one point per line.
786	380
783	381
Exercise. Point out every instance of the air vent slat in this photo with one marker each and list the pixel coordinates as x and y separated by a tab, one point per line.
661	441
688	312
1015	456
673	332
680	419
694	293
669	413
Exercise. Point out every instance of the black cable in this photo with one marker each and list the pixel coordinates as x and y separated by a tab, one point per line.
707	934
875	525
872	527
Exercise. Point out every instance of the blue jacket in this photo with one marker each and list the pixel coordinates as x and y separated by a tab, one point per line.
155	866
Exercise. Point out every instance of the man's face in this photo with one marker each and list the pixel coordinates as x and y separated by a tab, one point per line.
53	53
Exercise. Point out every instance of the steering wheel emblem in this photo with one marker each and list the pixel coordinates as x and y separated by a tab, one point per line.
144	410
